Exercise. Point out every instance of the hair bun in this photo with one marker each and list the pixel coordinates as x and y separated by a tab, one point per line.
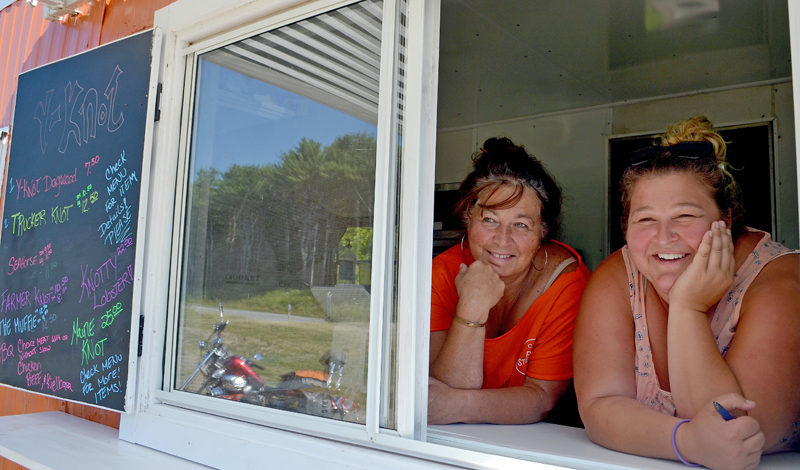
501	162
495	144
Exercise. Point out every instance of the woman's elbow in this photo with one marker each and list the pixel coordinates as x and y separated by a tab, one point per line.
592	417
547	395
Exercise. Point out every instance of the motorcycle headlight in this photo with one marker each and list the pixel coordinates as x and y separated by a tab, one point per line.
236	382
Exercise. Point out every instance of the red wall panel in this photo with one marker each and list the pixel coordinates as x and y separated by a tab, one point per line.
125	17
28	41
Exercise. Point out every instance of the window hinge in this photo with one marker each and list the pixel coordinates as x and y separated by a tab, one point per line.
141	335
158	104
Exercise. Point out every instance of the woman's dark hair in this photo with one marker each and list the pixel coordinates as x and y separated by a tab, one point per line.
711	172
501	163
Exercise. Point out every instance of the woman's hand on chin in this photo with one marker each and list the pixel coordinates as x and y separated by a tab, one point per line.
709	275
479	289
444	403
718	444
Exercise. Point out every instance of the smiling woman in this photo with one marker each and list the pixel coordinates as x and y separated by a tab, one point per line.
504	300
709	283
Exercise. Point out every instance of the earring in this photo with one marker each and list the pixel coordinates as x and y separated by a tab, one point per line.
462	245
545	260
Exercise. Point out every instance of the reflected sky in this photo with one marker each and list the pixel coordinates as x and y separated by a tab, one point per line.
242	120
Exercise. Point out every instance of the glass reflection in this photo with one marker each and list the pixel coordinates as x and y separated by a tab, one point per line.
274	307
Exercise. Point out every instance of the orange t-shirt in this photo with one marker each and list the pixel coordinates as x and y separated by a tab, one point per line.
539	345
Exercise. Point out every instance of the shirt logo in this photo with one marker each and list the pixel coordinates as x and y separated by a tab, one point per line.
522	363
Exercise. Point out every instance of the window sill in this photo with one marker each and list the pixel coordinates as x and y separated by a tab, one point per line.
73	441
563	445
54	439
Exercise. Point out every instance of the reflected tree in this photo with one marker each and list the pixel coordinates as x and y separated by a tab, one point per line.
268	226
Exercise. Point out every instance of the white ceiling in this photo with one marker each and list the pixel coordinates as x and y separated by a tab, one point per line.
505	59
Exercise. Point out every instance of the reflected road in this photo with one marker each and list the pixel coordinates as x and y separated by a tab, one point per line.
256	315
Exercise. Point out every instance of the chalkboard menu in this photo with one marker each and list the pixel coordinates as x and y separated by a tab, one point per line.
68	325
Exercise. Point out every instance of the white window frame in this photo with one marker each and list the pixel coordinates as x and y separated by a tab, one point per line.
265	415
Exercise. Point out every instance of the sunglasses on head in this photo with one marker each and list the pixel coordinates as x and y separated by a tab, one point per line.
684	150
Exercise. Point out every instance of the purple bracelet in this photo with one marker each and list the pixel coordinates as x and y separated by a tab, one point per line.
675	446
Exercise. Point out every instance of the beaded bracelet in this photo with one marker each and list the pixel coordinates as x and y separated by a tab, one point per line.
675	446
469	323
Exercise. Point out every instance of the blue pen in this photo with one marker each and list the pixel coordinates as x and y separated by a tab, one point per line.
723	412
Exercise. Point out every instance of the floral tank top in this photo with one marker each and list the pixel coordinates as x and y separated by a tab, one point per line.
723	323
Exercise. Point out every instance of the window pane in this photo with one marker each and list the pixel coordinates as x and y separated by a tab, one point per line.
279	218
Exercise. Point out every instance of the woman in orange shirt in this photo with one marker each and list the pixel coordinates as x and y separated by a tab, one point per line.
504	300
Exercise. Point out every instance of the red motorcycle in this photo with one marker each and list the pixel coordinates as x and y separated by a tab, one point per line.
234	378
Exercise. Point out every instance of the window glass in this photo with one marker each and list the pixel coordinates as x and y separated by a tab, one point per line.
277	256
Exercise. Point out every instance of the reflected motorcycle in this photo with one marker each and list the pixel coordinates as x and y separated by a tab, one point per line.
234	378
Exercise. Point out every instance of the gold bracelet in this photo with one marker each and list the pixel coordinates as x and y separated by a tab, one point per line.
469	323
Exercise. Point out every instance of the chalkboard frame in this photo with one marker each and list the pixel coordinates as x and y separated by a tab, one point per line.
150	116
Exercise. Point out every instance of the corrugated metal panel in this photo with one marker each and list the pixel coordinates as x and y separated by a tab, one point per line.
28	41
125	17
16	28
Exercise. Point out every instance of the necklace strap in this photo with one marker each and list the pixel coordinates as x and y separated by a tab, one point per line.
557	272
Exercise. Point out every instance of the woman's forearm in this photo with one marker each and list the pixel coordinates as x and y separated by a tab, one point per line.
623	424
697	370
459	362
524	404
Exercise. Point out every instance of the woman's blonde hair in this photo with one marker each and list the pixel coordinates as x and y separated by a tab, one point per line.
712	173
